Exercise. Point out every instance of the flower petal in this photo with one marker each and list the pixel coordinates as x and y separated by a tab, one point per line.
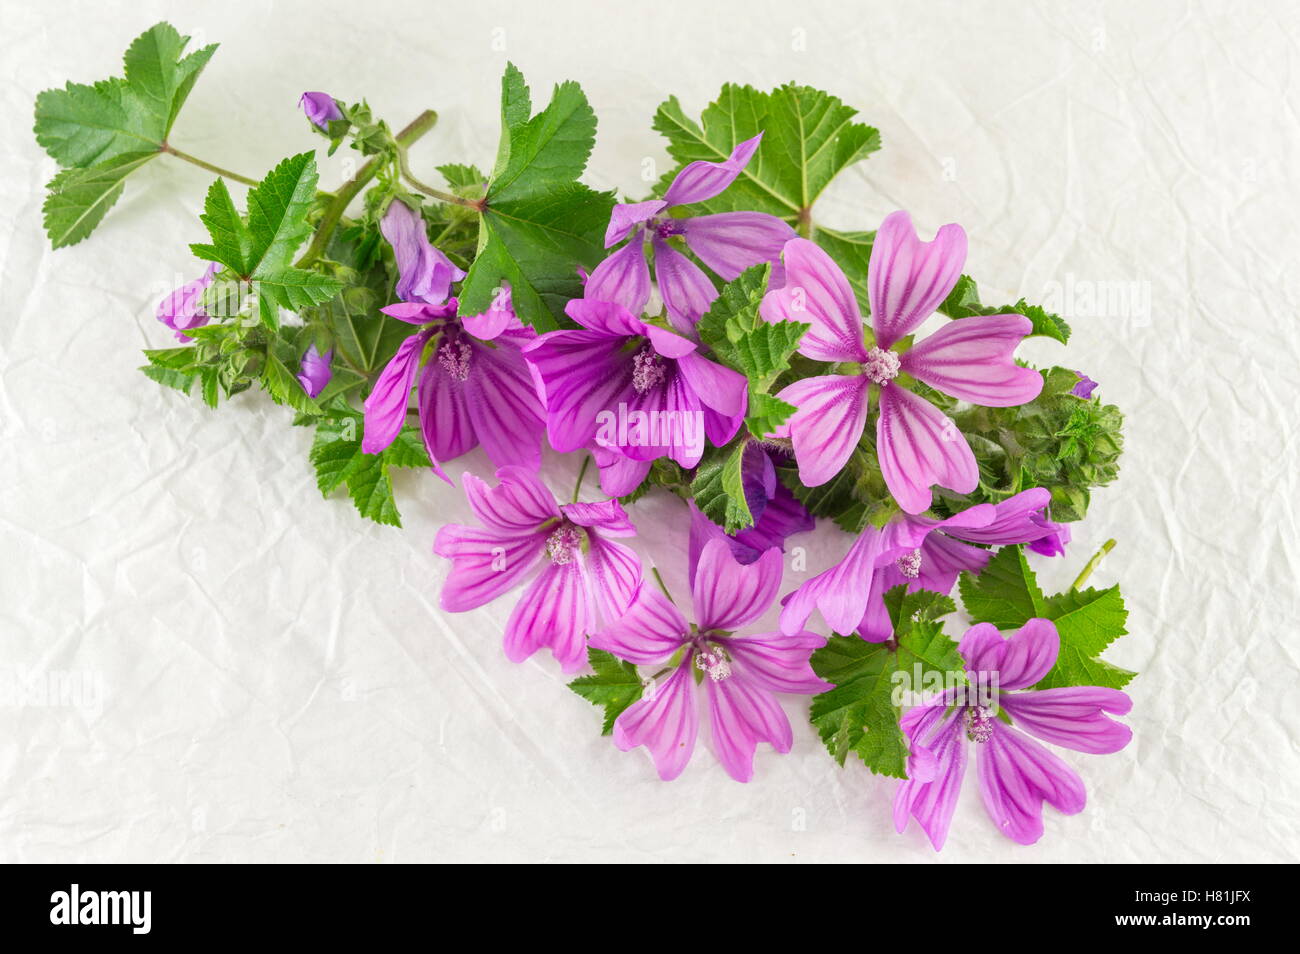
816	292
724	390
444	415
783	517
919	446
1017	775
622	278
1073	716
385	408
741	716
971	359
582	373
607	317
627	216
730	242
613	576
840	593
943	559
665	722
701	180
685	289
649	632
777	662
314	371
728	595
907	279
520	503
424	273
499	317
553	612
607	516
938	730
504	409
831	415
486	562
619	474
1019	660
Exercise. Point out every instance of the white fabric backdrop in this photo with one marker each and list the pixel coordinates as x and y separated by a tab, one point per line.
277	681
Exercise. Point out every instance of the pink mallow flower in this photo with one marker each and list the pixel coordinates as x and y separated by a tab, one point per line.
314	371
971	359
741	674
320	108
727	242
581	577
1016	774
182	309
919	552
632	389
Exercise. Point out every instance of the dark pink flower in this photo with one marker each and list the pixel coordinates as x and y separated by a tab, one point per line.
741	674
917	444
1016	774
580	576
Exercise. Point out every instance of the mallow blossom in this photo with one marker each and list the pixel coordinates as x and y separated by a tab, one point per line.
918	552
777	513
472	384
740	674
425	274
314	371
320	108
1084	387
918	446
727	242
632	389
1016	774
581	576
182	309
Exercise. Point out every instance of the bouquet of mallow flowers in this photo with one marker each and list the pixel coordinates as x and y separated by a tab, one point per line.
712	340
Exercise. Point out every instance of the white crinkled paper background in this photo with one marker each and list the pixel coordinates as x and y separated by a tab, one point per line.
277	681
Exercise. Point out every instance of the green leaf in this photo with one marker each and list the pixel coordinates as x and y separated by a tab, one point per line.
964	302
852	253
809	137
734	312
284	388
537	223
719	489
766	414
861	713
615	686
82	126
1007	595
339	460
78	199
259	247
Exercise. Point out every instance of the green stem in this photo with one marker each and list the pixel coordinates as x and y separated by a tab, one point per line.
350	189
195	160
404	167
1091	565
577	488
654	570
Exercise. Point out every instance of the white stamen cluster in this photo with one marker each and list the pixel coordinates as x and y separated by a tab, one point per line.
979	723
647	370
714	662
563	544
454	355
881	366
910	564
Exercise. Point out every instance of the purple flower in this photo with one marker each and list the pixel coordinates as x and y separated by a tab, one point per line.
320	108
728	242
918	552
181	310
580	576
424	273
1016	774
474	386
918	446
1053	543
744	672
314	370
1084	387
777	513
633	389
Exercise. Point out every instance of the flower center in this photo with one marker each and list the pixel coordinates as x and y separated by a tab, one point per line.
667	228
454	354
910	564
979	723
881	366
563	543
712	660
648	370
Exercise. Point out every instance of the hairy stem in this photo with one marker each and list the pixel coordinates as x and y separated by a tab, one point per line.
420	125
195	160
577	488
1091	565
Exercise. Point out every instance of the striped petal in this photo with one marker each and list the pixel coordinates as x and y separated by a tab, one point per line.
971	360
919	446
907	279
